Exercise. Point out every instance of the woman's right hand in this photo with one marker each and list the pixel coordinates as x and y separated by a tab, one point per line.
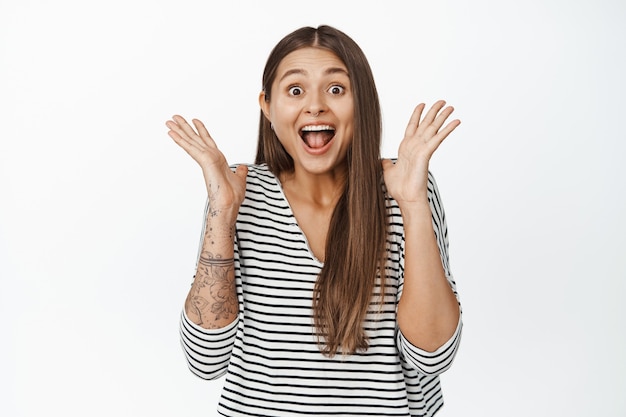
226	189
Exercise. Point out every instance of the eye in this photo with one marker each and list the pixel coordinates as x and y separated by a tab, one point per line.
336	90
295	91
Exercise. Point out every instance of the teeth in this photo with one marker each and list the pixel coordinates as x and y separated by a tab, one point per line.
317	128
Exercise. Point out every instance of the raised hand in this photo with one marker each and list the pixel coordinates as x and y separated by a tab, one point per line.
407	179
226	189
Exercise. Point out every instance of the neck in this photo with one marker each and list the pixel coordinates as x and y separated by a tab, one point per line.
321	190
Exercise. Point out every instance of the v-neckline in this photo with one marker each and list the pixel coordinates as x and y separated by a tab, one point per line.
295	222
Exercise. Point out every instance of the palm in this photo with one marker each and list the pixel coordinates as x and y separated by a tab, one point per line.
226	188
406	180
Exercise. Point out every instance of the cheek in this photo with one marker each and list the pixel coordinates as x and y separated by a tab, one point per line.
283	115
349	125
349	137
347	114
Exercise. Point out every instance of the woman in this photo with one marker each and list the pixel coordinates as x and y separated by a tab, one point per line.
322	285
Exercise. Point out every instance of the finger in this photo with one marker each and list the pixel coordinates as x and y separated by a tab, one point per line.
241	171
414	121
190	146
186	128
180	126
387	163
204	133
449	128
439	137
441	118
432	113
176	125
180	136
178	121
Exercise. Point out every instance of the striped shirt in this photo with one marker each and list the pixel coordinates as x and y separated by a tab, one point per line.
269	353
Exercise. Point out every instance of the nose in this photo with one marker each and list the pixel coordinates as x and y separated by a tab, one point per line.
316	104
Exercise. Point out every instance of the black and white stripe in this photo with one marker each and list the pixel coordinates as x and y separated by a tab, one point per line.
269	353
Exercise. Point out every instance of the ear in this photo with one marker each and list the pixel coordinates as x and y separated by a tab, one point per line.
265	105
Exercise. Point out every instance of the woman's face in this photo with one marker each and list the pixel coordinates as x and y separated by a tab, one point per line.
311	109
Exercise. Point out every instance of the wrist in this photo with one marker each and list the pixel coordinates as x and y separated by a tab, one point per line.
415	211
224	214
220	229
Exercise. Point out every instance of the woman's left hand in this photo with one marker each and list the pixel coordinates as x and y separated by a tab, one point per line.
407	179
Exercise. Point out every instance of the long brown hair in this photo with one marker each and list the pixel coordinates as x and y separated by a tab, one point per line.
355	246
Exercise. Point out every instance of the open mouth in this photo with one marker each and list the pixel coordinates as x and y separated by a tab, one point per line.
317	136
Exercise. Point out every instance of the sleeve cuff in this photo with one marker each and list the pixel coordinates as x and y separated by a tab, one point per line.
431	363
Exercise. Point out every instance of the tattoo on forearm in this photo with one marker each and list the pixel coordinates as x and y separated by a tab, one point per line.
212	197
217	261
216	274
222	231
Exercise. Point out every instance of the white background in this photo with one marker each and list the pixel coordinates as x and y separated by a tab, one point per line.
100	211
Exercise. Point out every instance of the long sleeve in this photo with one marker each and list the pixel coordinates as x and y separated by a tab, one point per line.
433	363
207	350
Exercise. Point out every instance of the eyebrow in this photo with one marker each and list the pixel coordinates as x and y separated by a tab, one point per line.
329	71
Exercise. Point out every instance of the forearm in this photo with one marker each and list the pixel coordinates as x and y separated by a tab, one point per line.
212	299
428	311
